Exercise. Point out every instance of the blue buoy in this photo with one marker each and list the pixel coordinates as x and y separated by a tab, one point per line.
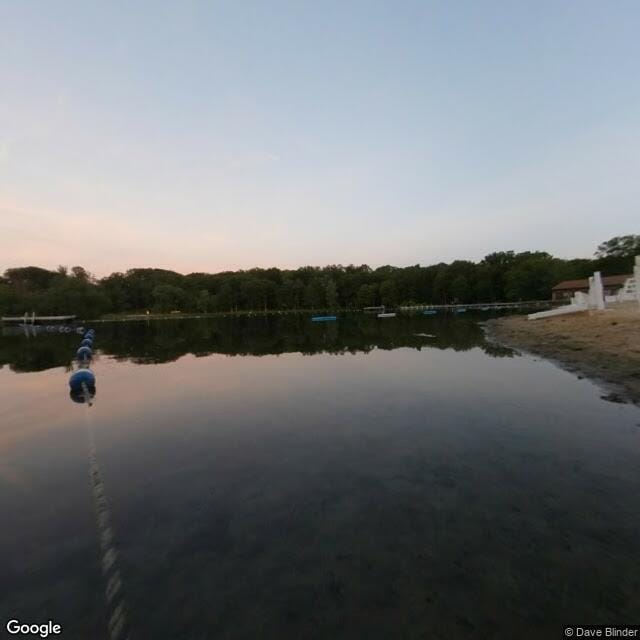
79	395
323	318
429	312
82	378
90	334
84	353
87	342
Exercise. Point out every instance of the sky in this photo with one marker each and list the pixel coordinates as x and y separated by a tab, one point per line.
207	136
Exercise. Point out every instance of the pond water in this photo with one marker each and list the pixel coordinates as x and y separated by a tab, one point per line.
277	478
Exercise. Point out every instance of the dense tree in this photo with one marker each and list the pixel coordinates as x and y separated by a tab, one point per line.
167	297
460	289
617	255
80	273
331	293
389	293
227	297
620	247
30	278
531	278
441	285
367	295
7	297
257	293
503	275
203	301
315	295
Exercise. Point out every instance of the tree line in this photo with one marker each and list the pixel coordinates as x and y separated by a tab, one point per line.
499	276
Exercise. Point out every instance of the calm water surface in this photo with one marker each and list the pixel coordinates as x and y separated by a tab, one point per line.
282	479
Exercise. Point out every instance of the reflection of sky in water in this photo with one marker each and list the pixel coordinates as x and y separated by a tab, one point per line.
399	493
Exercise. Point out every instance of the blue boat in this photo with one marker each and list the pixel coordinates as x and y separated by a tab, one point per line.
429	312
323	318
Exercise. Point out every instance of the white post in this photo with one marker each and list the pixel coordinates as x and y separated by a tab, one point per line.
598	290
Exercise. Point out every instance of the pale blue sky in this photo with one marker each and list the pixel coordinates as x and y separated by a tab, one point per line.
222	135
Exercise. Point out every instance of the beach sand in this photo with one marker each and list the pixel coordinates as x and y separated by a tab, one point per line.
603	345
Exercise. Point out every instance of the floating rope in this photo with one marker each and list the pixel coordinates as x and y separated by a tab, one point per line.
82	383
118	626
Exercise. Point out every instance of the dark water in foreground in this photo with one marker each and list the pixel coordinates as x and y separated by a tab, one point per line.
281	479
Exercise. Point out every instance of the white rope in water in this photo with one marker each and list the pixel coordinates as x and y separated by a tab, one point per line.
118	627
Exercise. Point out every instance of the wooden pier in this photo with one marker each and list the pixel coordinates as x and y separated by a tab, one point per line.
33	319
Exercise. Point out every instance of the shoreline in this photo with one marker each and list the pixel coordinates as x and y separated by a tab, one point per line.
603	346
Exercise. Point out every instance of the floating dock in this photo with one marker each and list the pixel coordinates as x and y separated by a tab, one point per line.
33	318
482	306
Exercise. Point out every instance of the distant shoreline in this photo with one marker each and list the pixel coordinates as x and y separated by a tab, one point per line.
531	305
213	314
601	345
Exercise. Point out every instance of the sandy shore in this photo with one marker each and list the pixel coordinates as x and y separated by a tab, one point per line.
603	345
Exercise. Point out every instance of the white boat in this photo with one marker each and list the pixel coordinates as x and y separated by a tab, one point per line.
386	315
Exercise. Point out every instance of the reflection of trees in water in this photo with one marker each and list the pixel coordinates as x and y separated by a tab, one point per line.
167	340
38	353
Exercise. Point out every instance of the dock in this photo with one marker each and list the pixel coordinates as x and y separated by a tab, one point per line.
484	306
33	319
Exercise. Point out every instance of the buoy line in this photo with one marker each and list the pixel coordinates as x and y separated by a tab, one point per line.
117	618
82	383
